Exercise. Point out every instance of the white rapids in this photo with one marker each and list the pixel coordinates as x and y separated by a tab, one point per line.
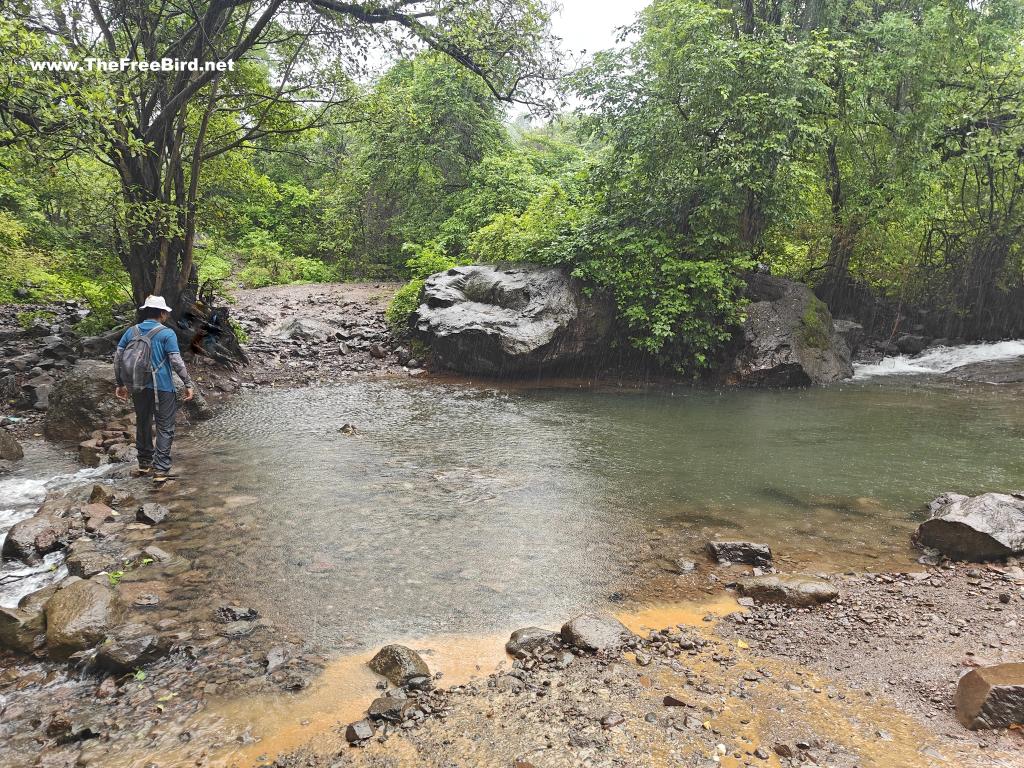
20	497
940	359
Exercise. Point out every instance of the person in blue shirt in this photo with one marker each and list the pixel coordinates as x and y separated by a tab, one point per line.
159	407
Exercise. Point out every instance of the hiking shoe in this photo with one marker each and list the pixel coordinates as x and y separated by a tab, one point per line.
142	471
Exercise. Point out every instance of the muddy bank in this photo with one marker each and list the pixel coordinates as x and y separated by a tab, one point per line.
865	681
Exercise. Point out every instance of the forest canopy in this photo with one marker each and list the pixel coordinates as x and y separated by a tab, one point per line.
873	149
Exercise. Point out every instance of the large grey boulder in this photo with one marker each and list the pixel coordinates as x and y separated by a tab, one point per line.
796	590
991	697
789	339
509	320
81	615
976	528
305	328
82	400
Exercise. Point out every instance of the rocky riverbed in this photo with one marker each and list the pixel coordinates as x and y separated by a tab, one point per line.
713	676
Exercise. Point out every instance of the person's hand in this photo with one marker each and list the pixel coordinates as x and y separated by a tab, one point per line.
189	394
121	392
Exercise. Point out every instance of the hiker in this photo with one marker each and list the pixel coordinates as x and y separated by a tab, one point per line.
143	362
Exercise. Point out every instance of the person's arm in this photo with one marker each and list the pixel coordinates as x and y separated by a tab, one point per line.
119	389
177	363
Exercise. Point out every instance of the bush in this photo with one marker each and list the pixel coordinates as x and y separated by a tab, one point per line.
402	305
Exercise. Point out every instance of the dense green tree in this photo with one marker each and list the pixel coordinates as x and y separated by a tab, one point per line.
157	128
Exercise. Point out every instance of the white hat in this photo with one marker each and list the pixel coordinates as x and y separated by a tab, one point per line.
156	302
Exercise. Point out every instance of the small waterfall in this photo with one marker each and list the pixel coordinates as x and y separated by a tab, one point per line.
940	359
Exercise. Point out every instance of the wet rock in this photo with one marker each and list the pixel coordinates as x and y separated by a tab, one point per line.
85	560
595	632
96	515
852	333
528	640
911	344
305	328
83	398
236	629
276	657
152	513
39	535
10	449
399	664
942	500
22	630
154	552
129	647
35	393
102	494
799	591
227	614
789	339
991	697
978	528
359	731
990	372
91	453
511	320
81	615
387	708
102	346
740	552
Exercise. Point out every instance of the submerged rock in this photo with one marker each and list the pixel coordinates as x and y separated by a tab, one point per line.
991	697
799	591
152	514
129	647
978	528
80	615
10	448
990	372
789	339
399	664
527	640
740	552
83	398
496	321
595	632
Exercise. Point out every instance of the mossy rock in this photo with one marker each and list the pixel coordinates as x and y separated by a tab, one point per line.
817	324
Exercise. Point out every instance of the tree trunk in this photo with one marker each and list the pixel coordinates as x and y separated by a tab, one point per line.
155	252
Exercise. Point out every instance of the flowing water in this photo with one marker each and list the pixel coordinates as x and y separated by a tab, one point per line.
21	493
457	508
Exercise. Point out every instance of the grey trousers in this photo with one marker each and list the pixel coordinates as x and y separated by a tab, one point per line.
162	413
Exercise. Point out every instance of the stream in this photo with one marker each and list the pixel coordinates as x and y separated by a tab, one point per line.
457	508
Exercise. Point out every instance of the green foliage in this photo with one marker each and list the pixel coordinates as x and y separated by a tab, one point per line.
817	327
402	305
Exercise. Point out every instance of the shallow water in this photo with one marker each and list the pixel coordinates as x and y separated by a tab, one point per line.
467	509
